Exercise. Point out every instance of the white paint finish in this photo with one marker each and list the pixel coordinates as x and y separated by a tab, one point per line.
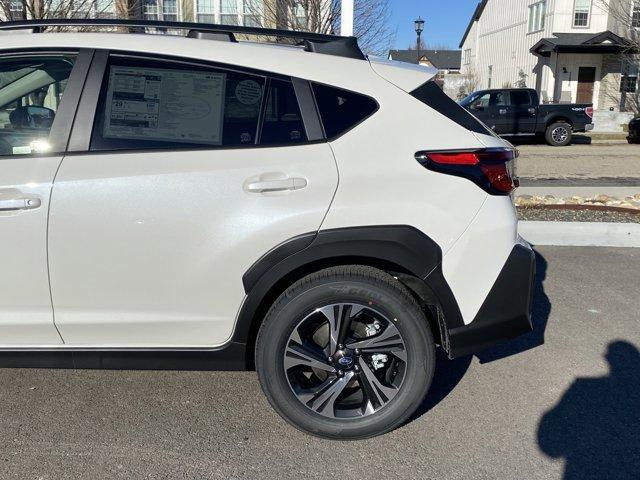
382	183
405	76
475	261
346	18
149	249
26	315
581	234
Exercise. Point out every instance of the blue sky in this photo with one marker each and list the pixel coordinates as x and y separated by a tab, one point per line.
446	21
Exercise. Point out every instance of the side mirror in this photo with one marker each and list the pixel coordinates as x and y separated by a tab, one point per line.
478	106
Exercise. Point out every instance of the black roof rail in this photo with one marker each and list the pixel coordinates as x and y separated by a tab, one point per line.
314	42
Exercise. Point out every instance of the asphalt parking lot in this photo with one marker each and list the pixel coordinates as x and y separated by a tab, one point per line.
615	161
561	402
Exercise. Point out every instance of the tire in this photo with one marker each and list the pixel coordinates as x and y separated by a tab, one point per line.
302	315
558	134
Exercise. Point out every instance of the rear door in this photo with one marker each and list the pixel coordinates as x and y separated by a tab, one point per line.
181	178
523	112
38	97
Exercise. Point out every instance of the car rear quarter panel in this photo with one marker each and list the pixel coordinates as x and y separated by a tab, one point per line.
382	183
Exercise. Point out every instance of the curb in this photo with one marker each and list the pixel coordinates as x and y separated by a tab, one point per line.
581	234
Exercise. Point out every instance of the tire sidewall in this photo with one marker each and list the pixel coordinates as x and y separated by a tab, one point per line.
287	315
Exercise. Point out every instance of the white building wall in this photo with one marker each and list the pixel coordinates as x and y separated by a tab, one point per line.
503	42
500	39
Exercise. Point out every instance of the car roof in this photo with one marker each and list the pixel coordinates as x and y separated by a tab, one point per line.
345	72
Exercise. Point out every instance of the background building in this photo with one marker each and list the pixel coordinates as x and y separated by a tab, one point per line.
570	51
446	61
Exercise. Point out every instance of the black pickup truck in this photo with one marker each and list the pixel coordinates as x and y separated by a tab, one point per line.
517	111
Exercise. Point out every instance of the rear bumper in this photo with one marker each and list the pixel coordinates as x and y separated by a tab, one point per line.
505	313
588	127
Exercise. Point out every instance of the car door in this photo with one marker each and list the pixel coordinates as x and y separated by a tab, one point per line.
524	113
38	97
190	174
492	108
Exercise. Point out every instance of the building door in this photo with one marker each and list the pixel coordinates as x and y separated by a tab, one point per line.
586	80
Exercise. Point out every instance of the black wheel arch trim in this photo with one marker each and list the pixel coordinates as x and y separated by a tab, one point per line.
398	245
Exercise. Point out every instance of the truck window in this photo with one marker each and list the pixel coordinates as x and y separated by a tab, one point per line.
520	97
490	99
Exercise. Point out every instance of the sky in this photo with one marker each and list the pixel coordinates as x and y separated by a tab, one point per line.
445	21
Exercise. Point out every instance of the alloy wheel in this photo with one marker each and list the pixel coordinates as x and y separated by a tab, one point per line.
345	360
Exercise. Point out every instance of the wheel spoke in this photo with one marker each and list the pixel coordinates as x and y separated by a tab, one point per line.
339	317
322	399
302	353
389	341
375	392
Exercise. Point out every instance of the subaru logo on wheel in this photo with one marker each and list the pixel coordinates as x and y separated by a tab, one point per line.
345	361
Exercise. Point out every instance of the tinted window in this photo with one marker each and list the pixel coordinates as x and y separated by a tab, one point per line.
489	99
154	104
340	109
432	95
520	98
282	119
31	90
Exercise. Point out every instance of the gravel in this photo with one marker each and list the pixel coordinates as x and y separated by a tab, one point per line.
555	215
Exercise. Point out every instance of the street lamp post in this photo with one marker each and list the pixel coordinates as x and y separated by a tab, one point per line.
419	24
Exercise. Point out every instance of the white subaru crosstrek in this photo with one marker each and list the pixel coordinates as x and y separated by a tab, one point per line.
320	216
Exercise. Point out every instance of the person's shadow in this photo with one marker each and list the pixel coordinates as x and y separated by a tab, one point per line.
540	317
595	426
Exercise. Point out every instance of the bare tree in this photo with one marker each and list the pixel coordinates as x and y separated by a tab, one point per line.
43	9
371	19
469	84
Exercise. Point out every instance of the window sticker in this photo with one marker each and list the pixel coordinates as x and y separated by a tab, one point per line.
166	105
248	92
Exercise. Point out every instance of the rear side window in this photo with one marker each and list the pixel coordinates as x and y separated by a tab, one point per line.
432	95
282	118
341	110
520	98
157	104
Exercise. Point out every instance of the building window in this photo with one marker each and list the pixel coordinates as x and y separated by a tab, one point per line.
635	14
537	13
490	76
205	12
300	16
252	12
466	56
228	12
581	13
629	81
170	10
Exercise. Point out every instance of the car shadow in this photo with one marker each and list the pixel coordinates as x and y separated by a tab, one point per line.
595	427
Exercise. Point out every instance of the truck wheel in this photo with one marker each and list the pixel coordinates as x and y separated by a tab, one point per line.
345	353
558	134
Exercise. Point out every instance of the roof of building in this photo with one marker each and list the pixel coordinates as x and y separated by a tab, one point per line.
474	18
602	42
440	59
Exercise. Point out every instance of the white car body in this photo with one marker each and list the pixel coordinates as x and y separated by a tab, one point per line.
147	249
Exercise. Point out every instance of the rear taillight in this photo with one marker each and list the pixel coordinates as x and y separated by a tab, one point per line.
492	169
589	112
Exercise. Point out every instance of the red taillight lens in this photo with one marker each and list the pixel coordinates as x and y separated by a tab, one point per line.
455	158
499	176
491	168
589	112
